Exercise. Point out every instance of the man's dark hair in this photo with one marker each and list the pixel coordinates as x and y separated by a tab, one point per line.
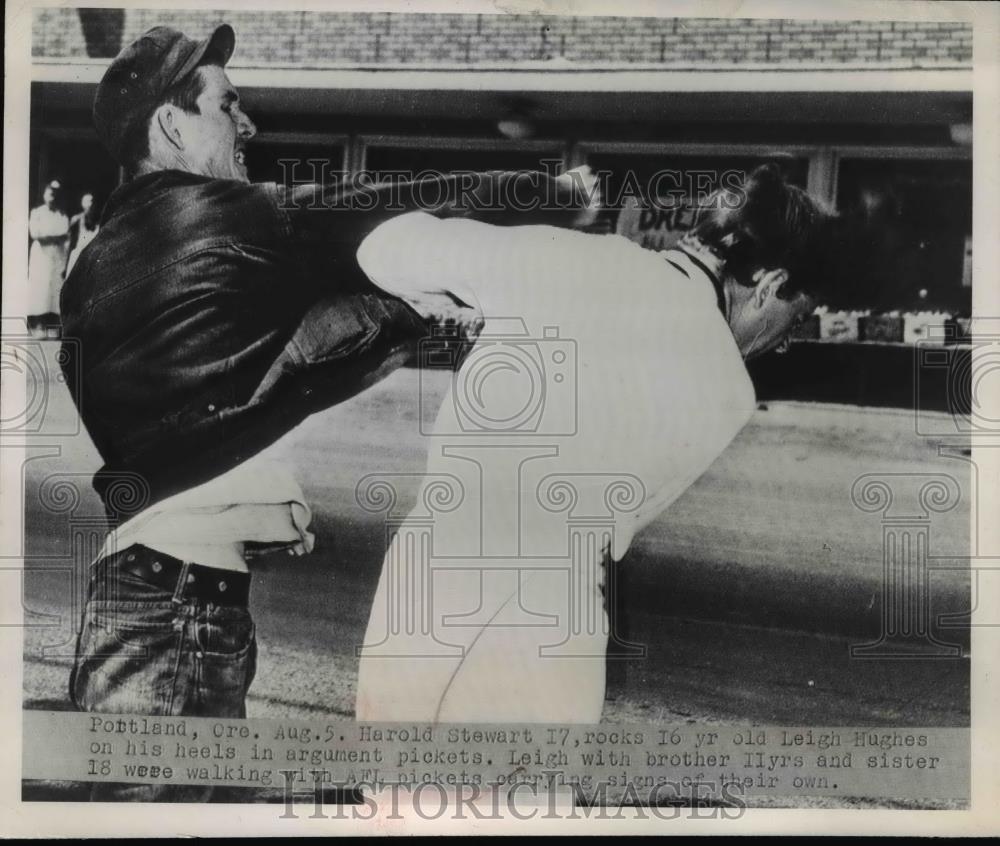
184	95
767	223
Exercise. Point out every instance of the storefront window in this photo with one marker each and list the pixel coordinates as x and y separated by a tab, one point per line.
287	162
911	225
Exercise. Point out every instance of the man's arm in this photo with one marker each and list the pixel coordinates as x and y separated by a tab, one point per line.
330	222
503	198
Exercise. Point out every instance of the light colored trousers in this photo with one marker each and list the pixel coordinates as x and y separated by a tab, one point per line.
486	645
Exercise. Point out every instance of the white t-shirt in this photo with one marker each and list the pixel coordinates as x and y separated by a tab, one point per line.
257	501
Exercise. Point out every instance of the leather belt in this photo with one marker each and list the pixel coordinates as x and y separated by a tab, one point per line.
208	584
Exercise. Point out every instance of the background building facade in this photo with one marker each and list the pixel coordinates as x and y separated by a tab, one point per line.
873	116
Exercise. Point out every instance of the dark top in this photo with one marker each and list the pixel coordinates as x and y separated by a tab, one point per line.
209	317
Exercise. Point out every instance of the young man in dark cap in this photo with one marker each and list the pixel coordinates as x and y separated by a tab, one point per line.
210	317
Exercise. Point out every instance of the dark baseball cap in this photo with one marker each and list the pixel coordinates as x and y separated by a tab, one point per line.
142	72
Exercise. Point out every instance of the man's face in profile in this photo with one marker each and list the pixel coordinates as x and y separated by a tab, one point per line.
779	319
215	138
763	320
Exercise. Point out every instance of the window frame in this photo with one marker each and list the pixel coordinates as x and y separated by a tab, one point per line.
823	160
364	142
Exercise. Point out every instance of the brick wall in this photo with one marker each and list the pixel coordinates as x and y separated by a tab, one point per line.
322	39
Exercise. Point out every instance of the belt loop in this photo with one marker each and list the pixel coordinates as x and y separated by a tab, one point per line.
181	583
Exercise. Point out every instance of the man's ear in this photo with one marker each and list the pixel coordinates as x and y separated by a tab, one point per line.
768	283
165	119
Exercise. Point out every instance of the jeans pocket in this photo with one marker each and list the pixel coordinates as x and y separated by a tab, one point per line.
227	660
115	625
225	632
127	658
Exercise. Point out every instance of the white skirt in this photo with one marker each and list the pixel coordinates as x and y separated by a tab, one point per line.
45	277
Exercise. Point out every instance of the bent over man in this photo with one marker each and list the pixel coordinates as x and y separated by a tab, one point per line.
563	437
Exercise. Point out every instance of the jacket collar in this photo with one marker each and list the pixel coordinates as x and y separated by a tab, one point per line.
142	187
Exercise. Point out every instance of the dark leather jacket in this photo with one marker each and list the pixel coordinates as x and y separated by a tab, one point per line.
209	317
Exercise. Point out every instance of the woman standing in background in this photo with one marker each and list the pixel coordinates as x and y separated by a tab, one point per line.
49	231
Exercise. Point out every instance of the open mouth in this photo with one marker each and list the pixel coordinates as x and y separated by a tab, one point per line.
240	157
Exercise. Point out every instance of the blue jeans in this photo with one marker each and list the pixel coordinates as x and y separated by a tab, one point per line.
144	650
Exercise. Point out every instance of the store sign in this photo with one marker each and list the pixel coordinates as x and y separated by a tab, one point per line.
655	228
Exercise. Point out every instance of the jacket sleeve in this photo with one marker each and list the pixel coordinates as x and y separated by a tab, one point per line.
329	222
